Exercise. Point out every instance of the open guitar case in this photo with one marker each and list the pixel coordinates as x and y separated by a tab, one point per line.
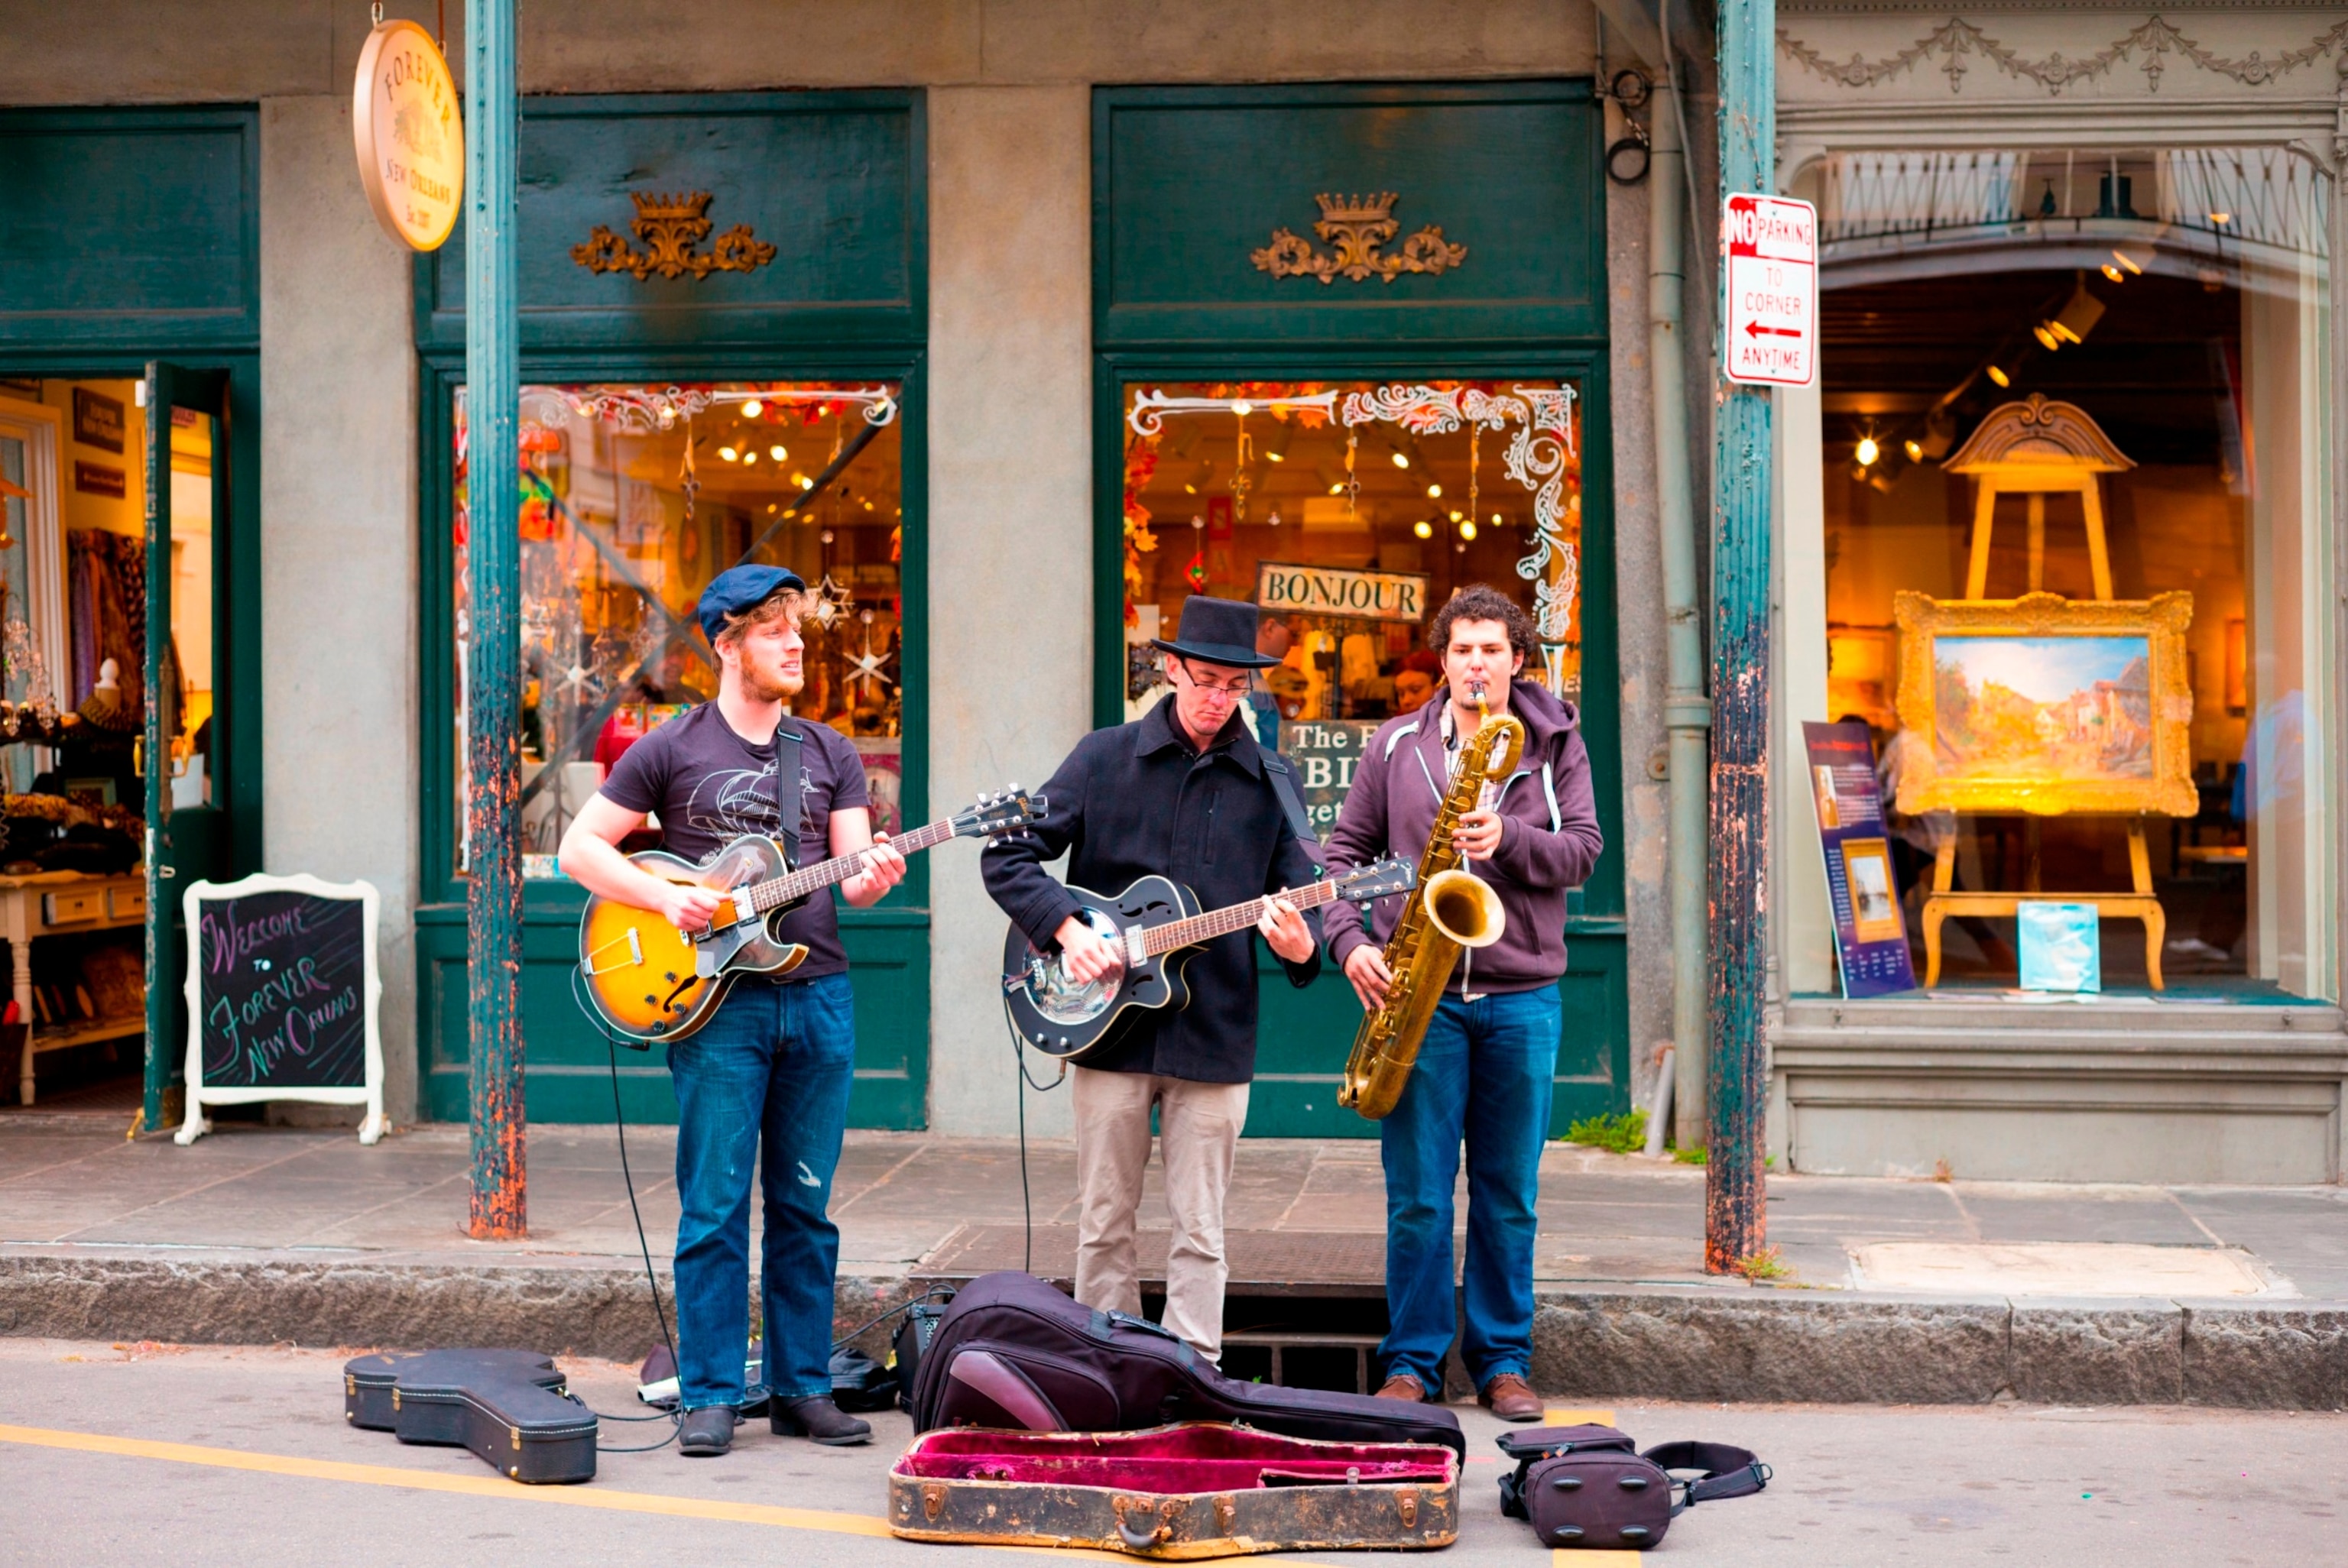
509	1406
1045	1422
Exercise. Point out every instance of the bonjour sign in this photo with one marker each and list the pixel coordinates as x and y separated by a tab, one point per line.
1341	592
282	991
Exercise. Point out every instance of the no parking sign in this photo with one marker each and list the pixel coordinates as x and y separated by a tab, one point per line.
1770	247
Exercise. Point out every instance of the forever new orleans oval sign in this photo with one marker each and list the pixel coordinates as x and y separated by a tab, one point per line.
410	136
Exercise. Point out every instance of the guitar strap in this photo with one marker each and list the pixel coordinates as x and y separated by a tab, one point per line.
787	822
1283	786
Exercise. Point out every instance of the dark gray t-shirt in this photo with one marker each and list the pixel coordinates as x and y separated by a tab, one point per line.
709	786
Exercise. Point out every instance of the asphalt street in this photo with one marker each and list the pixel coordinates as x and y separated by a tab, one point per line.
132	1454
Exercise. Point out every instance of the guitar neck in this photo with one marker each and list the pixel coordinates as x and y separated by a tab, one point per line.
776	892
1215	923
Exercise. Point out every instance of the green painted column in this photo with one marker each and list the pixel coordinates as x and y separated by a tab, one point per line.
493	643
156	741
1735	1214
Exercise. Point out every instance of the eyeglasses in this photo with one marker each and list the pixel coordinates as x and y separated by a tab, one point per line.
1235	688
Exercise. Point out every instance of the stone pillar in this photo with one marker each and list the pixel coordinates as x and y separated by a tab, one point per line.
1010	529
338	543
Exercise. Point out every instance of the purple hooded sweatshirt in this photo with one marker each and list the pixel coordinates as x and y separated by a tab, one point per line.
1548	845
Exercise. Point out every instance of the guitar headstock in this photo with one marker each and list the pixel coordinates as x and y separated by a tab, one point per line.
1379	879
1001	815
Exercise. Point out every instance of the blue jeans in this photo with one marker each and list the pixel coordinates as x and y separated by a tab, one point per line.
766	1080
1484	1075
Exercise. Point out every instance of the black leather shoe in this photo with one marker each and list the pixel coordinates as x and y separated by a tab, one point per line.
706	1432
817	1418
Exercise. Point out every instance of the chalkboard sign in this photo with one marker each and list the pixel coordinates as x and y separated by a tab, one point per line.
282	994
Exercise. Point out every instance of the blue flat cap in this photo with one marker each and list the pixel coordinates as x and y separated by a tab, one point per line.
739	589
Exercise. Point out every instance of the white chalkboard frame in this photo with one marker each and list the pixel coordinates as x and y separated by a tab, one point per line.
370	1094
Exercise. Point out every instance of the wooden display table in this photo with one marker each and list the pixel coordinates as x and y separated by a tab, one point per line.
65	903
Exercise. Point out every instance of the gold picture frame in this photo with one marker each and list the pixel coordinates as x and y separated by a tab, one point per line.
2055	718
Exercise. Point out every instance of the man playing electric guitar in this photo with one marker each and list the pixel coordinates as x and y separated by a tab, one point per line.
766	1080
1183	793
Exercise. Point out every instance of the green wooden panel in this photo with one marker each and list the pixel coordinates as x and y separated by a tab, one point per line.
1304	1036
568	1065
130	227
1187	182
832	181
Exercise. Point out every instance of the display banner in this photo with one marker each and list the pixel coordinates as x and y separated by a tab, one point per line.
1282	587
1870	934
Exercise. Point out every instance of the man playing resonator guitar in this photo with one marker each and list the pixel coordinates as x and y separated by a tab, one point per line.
1489	1055
765	1081
1182	793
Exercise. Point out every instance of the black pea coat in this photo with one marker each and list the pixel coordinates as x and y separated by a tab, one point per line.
1138	801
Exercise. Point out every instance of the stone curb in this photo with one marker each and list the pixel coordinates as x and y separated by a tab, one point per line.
1657	1342
1851	1349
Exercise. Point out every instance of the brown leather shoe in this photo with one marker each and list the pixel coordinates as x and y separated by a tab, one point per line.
1403	1385
1511	1399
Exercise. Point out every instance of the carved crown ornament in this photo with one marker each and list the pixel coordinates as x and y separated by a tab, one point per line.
2150	46
671	227
1357	227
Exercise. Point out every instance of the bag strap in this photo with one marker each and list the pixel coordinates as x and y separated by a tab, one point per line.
1283	786
1728	1471
787	818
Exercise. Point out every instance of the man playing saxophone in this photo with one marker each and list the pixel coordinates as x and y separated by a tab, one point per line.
1485	1070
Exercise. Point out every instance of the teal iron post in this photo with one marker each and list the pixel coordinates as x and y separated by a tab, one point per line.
1736	1218
492	640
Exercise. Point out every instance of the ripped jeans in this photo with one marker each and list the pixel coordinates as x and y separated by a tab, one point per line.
764	1082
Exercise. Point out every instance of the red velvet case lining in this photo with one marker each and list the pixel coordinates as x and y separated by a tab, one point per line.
1195	1457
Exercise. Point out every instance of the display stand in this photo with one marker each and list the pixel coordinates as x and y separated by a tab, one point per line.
2035	449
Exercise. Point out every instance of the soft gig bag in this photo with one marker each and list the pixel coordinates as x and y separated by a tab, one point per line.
1587	1486
1013	1352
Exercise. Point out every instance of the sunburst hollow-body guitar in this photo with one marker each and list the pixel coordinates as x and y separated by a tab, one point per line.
647	981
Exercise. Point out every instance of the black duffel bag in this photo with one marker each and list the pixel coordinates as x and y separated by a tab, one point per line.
1012	1351
1588	1486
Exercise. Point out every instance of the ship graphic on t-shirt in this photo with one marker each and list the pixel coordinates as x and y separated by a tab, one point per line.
742	800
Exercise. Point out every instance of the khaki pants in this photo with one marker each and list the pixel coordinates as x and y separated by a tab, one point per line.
1198	1125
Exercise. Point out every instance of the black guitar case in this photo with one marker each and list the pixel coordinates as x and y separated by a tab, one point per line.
1013	1352
509	1406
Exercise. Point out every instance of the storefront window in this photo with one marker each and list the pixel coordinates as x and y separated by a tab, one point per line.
1350	510
2177	301
633	498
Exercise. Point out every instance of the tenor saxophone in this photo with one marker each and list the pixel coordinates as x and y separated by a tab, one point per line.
1455	908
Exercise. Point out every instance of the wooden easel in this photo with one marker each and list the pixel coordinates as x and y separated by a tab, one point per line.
2035	449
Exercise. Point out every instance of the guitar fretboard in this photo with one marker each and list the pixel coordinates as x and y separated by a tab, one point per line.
776	892
1216	923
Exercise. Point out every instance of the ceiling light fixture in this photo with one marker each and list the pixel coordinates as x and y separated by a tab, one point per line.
1496	520
1867	452
1422	529
1338	489
749	458
2000	376
750	409
1435	492
803	482
1467	529
2127	262
778	453
1457	514
1915	450
1402	459
730	455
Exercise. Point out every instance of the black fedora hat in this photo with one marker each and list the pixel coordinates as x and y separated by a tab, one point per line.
1219	630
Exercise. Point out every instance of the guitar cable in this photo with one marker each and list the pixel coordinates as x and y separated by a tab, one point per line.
619	1126
1026	1204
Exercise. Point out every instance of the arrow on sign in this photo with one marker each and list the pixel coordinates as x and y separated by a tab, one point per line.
1754	329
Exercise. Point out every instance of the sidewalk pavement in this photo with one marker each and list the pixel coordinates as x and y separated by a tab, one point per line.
1896	1290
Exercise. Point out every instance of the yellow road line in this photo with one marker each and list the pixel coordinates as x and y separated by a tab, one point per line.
491	1486
1560	1415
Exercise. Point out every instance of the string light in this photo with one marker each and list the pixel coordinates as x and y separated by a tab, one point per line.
1467	529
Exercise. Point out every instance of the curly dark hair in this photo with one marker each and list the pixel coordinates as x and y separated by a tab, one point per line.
1482	601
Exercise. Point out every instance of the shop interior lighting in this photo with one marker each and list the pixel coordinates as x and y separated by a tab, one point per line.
1915	450
1402	459
730	455
803	482
750	409
1867	452
778	453
1496	520
1467	529
2128	263
1242	408
2000	376
1338	488
1435	492
2222	219
1276	449
1457	514
2080	315
749	458
1422	529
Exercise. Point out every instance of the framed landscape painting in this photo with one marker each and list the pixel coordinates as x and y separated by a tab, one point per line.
2046	705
